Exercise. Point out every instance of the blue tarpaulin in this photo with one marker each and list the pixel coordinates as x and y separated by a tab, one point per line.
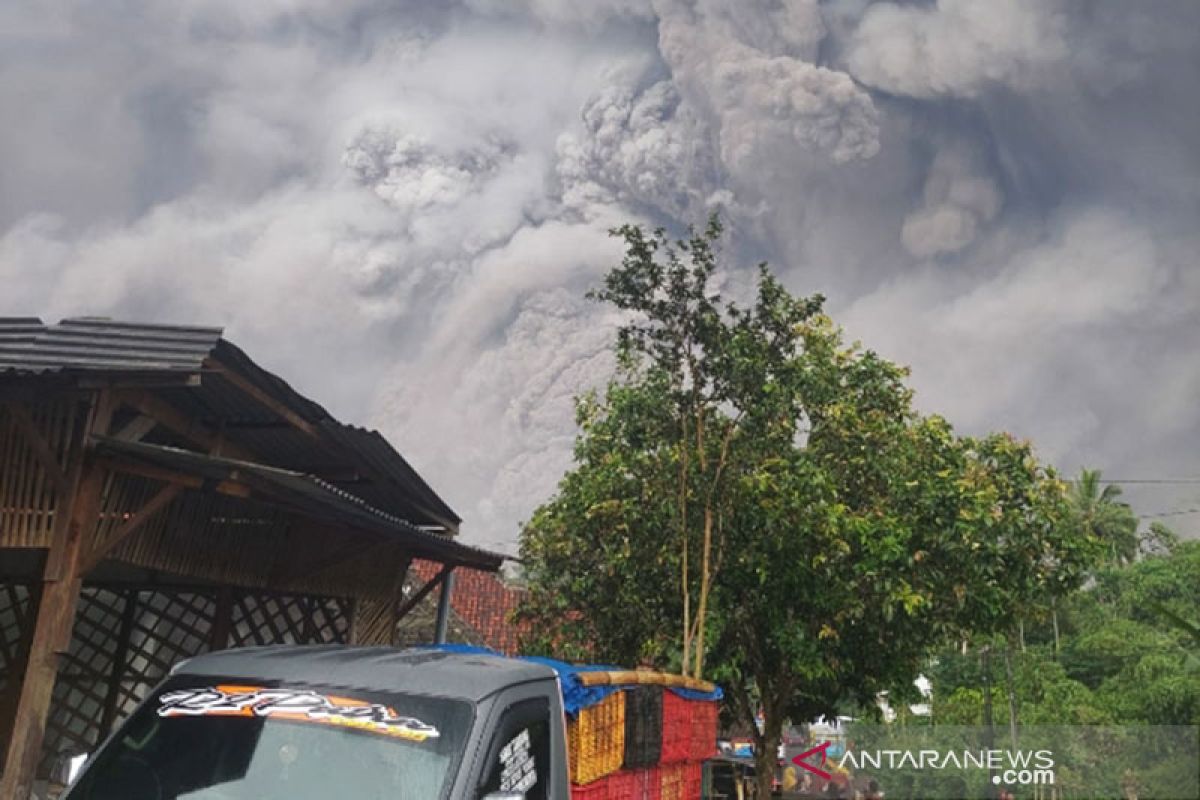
575	694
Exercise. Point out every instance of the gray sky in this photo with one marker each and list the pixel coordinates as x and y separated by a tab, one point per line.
399	206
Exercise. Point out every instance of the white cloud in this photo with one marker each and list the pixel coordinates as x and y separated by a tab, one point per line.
413	197
956	47
959	199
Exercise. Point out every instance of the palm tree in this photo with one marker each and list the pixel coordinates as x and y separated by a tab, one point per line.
1098	510
1102	514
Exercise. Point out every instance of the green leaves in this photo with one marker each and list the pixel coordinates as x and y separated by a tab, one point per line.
832	535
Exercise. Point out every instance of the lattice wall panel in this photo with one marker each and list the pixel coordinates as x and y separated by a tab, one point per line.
267	619
83	683
158	630
329	620
167	629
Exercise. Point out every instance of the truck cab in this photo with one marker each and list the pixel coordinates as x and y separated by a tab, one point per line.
339	723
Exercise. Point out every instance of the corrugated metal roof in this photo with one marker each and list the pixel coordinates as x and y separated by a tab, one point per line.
89	343
300	491
19	330
384	458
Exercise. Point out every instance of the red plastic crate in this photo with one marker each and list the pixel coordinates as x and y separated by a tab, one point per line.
650	783
623	785
693	779
672	782
677	728
704	730
596	790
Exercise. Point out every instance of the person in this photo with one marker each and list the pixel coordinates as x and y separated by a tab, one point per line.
873	790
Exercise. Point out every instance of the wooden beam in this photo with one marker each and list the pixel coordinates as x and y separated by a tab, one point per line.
188	427
99	550
262	398
233	488
152	472
74	523
40	447
434	582
156	379
137	428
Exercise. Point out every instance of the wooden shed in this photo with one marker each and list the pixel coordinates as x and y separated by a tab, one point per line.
162	495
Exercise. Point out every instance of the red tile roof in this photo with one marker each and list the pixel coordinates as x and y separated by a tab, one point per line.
482	601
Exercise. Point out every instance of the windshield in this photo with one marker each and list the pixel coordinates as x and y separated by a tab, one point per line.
225	740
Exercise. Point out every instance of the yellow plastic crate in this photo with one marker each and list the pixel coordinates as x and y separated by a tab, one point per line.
596	739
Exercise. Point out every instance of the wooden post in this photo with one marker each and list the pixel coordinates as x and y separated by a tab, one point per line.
222	627
74	523
443	609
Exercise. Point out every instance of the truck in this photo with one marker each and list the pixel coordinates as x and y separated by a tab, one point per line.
348	723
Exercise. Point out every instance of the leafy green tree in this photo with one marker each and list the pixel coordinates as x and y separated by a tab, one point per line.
1158	539
755	476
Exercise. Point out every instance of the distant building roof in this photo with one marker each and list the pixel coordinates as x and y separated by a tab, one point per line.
483	603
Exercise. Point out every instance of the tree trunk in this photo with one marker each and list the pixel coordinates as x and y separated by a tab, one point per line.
1012	692
683	535
1054	620
766	748
1021	633
702	608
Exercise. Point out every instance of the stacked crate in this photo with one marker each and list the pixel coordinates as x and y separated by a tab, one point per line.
596	740
642	742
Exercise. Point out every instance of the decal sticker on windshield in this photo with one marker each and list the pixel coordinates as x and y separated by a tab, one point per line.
299	705
518	772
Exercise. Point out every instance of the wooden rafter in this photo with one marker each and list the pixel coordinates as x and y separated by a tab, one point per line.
433	583
262	398
232	486
188	427
159	501
137	428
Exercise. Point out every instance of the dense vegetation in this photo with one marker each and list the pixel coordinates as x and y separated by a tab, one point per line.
1127	654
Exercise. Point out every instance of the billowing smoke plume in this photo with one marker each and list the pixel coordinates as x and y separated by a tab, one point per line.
400	206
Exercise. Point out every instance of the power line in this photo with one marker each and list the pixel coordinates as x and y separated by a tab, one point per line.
1148	480
1170	513
1141	480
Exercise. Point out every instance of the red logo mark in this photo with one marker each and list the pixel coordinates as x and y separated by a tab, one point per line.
800	762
